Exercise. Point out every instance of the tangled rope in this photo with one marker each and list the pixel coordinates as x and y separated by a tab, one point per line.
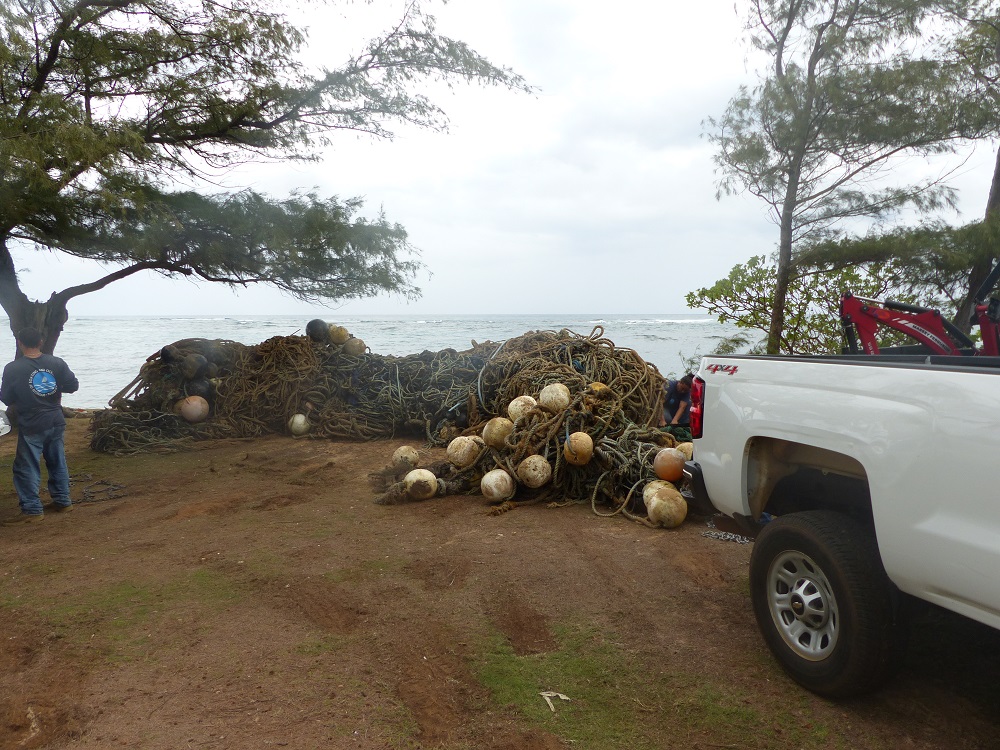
255	390
621	464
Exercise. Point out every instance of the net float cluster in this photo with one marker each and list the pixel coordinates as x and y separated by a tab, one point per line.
553	440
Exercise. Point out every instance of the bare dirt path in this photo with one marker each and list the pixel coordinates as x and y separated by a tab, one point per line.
251	595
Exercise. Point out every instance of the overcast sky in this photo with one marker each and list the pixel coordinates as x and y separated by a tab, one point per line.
595	195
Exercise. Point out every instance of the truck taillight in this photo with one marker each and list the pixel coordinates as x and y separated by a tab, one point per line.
697	420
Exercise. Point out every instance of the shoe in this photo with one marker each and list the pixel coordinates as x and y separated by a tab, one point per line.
53	508
23	518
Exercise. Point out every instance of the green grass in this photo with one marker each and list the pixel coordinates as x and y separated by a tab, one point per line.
118	617
617	703
599	677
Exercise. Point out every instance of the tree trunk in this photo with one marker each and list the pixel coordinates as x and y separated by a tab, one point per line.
981	269
776	331
48	317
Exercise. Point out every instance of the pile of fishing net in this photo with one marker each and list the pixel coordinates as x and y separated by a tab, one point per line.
560	445
327	384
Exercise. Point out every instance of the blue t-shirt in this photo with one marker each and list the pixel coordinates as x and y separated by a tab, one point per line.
35	387
673	401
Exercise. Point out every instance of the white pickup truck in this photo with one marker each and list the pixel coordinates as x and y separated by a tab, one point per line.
862	479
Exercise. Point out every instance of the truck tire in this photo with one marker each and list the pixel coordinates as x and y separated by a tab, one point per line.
824	604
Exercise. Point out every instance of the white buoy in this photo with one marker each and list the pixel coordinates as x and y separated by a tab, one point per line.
520	406
554	397
496	431
534	472
420	484
665	505
298	424
497	486
405	456
463	451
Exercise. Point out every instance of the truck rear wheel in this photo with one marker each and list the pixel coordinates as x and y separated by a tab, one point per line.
824	603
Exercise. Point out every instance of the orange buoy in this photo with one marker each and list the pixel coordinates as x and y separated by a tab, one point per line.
669	464
578	449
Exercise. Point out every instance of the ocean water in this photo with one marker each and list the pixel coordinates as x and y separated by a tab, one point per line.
107	352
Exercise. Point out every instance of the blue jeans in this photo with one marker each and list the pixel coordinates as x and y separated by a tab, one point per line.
28	471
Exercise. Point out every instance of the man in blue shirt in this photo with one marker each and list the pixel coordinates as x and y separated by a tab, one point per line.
677	402
33	384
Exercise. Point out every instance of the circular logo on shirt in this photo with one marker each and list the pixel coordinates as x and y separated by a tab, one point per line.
42	382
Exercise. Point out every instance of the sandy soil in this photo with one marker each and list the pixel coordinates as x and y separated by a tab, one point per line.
251	595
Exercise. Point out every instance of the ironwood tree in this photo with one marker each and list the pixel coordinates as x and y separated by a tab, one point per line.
950	262
107	106
851	88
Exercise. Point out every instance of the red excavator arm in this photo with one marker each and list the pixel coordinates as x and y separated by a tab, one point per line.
861	318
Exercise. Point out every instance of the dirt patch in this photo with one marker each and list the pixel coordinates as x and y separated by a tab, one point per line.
250	594
525	627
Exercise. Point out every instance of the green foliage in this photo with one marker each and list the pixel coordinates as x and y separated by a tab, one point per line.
851	88
107	105
812	307
932	262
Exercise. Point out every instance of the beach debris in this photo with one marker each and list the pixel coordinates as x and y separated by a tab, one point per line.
347	392
464	450
668	464
420	484
665	506
578	449
498	485
520	406
193	409
495	432
405	457
589	451
548	695
534	472
354	347
298	425
554	397
687	449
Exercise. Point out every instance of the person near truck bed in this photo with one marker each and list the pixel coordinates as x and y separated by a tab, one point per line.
33	384
677	401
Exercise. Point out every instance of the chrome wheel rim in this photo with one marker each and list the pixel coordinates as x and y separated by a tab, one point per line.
802	605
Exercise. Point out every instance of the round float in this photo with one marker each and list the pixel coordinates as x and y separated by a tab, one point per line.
192	409
534	472
669	464
420	484
463	451
578	449
298	424
339	335
520	406
354	347
554	397
496	431
405	455
665	506
497	486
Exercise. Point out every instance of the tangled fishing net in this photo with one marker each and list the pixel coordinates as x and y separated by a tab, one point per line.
584	449
342	390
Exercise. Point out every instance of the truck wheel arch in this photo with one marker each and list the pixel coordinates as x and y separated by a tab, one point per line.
783	476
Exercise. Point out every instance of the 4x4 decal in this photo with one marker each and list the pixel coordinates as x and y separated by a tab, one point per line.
727	369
